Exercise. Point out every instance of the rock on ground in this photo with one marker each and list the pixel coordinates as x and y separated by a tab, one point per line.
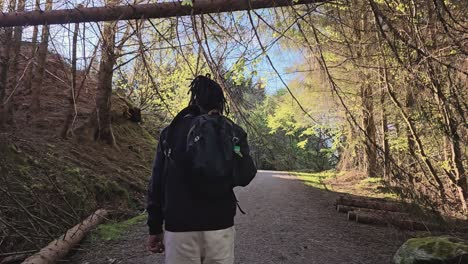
433	250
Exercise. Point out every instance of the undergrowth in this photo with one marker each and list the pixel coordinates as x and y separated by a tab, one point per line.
114	231
316	179
48	185
346	182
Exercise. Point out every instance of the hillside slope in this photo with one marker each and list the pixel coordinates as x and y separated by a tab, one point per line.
48	184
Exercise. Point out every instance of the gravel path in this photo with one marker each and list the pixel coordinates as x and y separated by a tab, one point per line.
286	222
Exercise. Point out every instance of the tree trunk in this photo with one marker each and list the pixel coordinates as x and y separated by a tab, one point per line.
409	104
71	113
39	68
5	45
384	127
368	124
417	142
102	116
366	94
457	174
29	72
13	78
459	180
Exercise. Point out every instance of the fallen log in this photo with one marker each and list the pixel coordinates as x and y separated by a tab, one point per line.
352	215
371	203
369	218
128	12
345	209
365	198
405	223
60	247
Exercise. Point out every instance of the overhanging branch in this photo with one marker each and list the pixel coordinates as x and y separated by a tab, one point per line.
128	12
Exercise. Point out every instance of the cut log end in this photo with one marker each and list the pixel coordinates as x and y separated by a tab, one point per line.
352	216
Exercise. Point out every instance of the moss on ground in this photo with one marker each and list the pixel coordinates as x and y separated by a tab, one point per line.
114	231
431	249
346	182
439	247
375	187
316	179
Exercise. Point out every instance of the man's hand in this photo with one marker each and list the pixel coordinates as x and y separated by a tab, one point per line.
155	243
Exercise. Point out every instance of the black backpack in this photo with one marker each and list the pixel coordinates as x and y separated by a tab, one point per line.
217	156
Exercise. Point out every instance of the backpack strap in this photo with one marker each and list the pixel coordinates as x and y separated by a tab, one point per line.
168	141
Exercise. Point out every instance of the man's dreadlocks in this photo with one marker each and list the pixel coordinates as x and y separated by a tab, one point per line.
207	94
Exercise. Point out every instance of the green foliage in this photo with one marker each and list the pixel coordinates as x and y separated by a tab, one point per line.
375	186
114	231
187	2
398	143
294	141
107	190
316	180
288	140
237	72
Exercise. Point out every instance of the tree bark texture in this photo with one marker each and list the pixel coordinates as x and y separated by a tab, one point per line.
128	12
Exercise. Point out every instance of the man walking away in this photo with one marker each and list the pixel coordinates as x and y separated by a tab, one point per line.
200	157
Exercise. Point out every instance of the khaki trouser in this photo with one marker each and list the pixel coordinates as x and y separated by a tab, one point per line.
202	247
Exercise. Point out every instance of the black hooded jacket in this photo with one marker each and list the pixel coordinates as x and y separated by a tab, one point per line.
170	201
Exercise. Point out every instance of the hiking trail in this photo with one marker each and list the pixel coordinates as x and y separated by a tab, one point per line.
286	222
